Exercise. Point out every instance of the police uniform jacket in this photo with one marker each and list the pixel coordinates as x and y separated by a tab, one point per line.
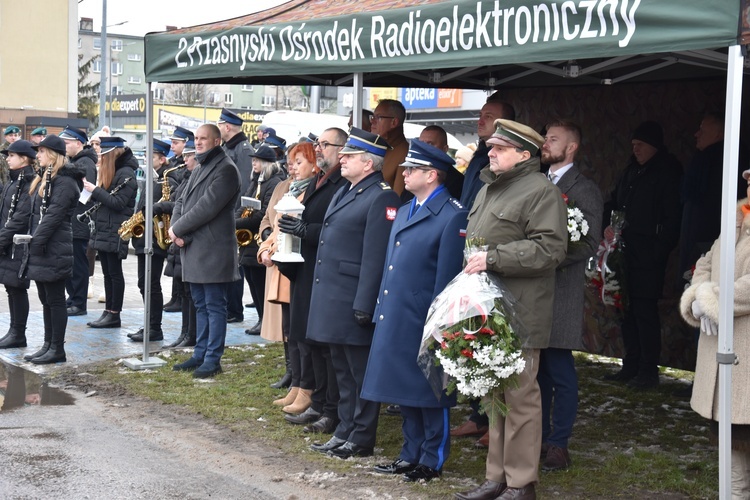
570	274
51	249
301	276
204	217
87	158
238	148
10	260
351	252
116	208
424	254
523	219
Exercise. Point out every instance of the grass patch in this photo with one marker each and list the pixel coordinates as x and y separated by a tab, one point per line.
626	444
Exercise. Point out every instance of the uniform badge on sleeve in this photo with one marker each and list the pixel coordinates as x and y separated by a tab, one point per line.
462	233
390	213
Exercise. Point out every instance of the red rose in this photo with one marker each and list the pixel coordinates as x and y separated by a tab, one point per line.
443	345
565	198
467	353
486	331
470	336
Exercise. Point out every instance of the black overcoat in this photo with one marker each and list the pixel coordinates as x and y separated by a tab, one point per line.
87	159
10	260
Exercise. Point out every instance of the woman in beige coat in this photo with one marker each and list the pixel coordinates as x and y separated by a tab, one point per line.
699	307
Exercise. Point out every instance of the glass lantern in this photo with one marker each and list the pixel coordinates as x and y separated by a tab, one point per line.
288	245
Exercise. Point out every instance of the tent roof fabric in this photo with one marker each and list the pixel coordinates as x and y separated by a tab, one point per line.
458	44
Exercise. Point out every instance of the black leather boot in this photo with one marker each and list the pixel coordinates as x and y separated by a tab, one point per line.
104	315
13	339
44	349
55	354
7	335
189	340
111	320
286	379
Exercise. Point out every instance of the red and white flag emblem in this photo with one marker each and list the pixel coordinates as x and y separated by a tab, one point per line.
390	213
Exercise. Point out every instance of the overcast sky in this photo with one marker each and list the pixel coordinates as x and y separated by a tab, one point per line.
144	16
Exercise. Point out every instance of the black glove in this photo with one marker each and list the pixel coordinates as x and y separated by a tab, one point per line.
293	225
265	234
158	209
362	318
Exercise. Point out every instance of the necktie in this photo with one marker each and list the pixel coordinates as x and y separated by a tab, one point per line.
552	177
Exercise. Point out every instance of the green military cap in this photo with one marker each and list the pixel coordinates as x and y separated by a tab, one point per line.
12	129
39	131
517	135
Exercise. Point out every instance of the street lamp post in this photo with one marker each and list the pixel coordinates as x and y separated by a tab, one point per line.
103	82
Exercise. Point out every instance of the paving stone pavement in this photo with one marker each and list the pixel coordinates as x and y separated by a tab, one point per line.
85	345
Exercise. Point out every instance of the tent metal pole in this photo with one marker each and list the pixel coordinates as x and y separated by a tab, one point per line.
357	103
725	356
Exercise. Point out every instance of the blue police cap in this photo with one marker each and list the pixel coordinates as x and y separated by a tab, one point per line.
21	148
39	131
360	141
12	129
181	134
53	143
161	147
74	134
229	117
422	154
275	142
110	143
189	147
264	153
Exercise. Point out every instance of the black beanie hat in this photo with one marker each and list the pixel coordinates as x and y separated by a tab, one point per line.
651	133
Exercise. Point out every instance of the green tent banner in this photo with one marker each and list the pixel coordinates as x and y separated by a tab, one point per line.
444	35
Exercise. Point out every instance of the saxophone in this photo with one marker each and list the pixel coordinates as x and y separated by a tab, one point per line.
162	222
245	236
134	227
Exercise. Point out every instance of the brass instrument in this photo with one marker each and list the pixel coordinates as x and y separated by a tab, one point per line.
245	236
163	221
134	227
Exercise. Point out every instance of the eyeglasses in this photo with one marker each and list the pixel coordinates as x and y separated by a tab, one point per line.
324	144
409	170
374	118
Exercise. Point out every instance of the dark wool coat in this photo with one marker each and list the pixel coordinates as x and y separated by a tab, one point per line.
350	260
10	260
204	217
87	159
51	247
570	278
316	201
424	254
649	194
116	208
249	253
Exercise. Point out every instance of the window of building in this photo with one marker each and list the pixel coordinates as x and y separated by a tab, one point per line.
134	57
268	100
158	94
247	88
303	103
116	90
117	45
97	43
228	98
134	79
79	42
212	97
116	68
287	102
96	66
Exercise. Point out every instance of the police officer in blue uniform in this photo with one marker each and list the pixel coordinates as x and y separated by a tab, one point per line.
347	277
425	252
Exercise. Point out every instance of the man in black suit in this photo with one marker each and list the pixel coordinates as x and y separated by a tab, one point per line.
351	254
203	228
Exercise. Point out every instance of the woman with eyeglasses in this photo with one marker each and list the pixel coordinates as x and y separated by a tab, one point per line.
115	191
49	255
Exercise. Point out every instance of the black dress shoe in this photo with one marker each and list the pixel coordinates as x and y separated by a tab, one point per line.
206	371
173	306
620	376
235	319
153	336
283	382
421	473
306	417
644	382
329	445
324	425
393	410
398	466
76	311
255	329
350	449
185	366
111	320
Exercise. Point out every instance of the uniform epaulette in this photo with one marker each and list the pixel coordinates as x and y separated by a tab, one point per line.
384	185
457	203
